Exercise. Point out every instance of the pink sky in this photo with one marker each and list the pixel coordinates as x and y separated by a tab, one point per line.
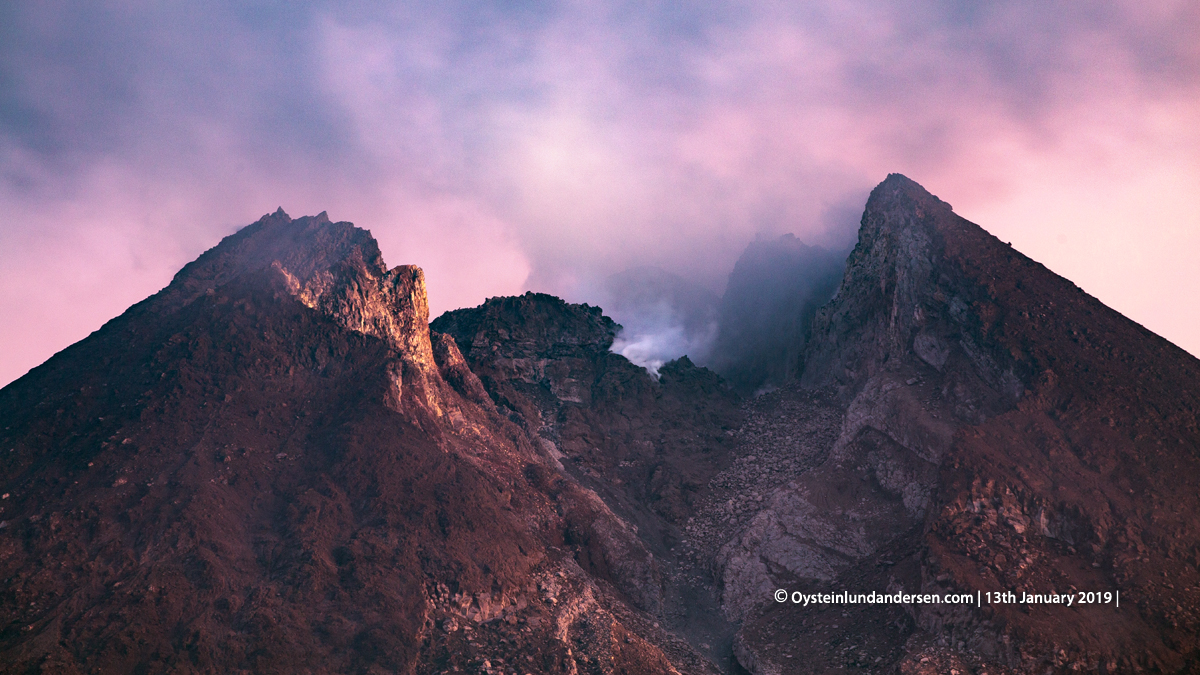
506	148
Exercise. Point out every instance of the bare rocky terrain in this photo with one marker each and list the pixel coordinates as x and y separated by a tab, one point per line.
927	442
269	467
1003	431
278	464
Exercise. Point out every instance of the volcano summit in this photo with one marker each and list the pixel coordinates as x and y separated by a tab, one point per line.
278	464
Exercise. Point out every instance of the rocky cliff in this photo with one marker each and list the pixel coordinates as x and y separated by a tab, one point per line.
548	364
648	447
1003	431
274	466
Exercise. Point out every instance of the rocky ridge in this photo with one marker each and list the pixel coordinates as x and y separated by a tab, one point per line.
964	420
277	437
1003	431
647	447
274	466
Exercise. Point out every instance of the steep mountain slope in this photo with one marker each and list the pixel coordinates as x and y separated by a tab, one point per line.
273	466
1004	431
548	363
648	447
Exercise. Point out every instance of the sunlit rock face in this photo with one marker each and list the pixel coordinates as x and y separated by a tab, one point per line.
277	465
337	270
274	466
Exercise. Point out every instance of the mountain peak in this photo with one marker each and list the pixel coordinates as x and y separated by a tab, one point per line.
978	382
897	185
306	247
900	203
334	268
277	459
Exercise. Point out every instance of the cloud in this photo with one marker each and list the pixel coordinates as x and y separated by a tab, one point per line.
547	145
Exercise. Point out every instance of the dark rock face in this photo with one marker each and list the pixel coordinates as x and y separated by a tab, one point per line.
547	364
534	353
275	465
1003	431
647	448
272	466
906	299
773	293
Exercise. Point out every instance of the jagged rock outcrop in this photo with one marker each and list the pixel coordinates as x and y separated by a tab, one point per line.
547	364
455	371
534	353
882	470
273	466
647	447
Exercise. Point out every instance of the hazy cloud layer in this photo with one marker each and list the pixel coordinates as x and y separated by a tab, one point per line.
512	146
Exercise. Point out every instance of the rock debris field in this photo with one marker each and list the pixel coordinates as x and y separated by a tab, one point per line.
785	433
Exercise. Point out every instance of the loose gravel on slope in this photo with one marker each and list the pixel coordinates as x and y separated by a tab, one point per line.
784	433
